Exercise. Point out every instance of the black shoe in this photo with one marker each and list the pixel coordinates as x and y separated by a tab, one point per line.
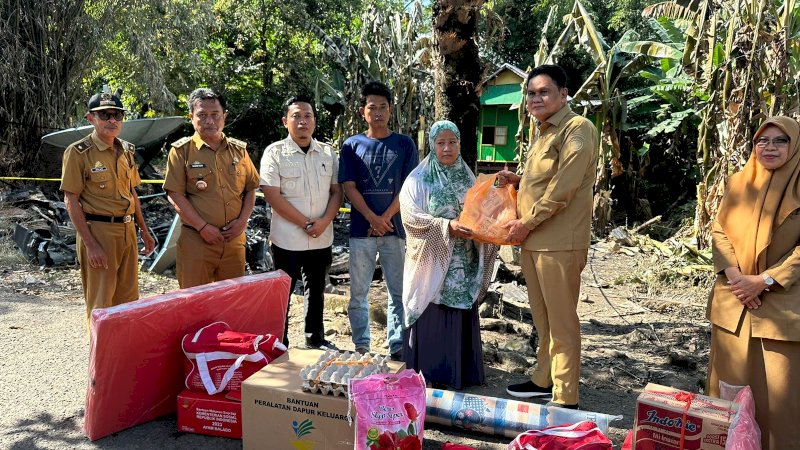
529	389
362	350
561	405
321	345
397	356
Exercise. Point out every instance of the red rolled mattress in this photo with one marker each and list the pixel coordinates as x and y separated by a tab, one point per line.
136	361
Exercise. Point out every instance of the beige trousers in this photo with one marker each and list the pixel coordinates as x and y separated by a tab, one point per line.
119	283
554	281
772	370
200	263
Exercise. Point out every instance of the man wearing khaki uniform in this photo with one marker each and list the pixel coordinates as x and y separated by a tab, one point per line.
211	182
98	178
554	206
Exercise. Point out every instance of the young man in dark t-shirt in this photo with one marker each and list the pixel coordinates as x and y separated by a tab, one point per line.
373	166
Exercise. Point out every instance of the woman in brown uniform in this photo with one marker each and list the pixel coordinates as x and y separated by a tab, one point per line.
754	307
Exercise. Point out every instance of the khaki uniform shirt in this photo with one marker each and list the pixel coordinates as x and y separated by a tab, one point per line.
305	180
778	317
555	190
101	176
227	173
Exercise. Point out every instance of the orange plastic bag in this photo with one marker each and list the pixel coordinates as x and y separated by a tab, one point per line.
487	210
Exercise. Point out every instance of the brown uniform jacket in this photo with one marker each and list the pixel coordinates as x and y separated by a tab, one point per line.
555	191
227	173
778	317
101	176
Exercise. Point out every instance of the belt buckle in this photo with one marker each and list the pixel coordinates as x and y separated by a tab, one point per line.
127	218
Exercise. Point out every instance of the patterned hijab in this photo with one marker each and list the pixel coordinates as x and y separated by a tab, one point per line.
758	200
448	184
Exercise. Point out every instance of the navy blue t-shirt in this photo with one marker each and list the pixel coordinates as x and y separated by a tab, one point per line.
378	167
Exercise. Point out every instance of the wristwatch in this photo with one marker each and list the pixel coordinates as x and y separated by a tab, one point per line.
768	280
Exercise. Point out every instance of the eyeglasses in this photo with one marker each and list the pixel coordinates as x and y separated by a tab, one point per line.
780	141
105	114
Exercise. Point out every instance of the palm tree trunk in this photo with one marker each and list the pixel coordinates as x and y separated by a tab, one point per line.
458	78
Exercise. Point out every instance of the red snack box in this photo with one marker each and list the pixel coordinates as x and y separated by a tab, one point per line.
663	413
213	415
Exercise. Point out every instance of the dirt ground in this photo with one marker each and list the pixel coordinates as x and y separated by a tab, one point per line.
634	332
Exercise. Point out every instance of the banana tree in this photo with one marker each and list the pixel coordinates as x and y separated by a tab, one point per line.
391	48
743	56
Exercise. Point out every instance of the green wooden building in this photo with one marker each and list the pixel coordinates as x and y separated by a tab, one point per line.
499	117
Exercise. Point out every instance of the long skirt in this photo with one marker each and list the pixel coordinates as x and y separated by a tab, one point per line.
772	370
445	345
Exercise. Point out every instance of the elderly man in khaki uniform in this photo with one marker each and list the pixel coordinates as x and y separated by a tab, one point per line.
98	178
299	177
211	182
554	206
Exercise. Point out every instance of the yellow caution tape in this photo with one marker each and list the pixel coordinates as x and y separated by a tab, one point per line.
345	210
29	179
59	179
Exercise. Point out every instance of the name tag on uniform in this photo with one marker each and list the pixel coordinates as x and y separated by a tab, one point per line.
197	165
99	167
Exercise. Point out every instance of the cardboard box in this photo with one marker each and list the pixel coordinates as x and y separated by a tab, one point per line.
659	420
277	414
213	415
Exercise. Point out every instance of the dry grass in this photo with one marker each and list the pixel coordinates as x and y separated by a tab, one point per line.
10	256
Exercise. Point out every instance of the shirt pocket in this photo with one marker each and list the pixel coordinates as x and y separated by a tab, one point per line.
544	164
200	180
325	170
237	178
100	184
291	182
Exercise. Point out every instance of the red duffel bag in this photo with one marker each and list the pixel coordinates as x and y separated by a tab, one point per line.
219	359
584	435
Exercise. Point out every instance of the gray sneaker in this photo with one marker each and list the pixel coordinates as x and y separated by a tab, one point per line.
529	389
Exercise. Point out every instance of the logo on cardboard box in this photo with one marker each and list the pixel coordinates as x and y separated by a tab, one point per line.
673	423
302	429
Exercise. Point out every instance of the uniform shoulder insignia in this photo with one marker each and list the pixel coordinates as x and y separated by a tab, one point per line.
84	144
241	145
128	146
182	141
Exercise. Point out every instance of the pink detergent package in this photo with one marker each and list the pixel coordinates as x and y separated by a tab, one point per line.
390	411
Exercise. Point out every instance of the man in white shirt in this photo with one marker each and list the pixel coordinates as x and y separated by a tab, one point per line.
299	178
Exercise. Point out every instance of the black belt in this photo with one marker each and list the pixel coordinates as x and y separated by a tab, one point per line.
109	219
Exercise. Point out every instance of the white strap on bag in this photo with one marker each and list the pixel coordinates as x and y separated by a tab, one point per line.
202	366
203	359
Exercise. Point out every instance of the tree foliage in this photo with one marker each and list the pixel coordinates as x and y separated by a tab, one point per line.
675	88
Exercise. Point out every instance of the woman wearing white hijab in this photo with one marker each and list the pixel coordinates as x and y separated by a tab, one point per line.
446	273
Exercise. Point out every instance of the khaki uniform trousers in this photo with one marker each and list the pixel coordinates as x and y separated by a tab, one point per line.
201	263
554	281
120	282
772	370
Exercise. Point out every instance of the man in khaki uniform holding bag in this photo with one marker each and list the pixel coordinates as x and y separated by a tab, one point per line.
554	207
211	182
98	178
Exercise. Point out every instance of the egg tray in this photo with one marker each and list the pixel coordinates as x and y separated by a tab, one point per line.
332	372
